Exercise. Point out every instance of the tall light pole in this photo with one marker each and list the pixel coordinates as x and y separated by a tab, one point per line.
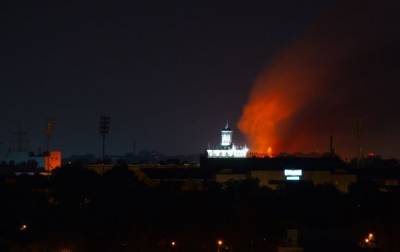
104	129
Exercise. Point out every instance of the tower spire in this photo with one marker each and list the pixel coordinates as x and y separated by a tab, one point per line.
226	136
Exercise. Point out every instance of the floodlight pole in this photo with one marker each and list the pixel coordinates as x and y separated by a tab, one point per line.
104	129
103	148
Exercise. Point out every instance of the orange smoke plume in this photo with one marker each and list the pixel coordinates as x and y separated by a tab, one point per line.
323	81
293	80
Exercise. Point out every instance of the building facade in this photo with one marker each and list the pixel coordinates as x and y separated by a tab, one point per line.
227	149
279	171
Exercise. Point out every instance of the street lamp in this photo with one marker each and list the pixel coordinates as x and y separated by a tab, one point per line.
219	244
23	227
173	244
369	241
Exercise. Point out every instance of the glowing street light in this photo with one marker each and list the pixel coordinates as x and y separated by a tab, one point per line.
23	227
173	243
369	241
219	244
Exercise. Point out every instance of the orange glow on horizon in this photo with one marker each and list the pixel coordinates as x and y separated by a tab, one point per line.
52	161
269	151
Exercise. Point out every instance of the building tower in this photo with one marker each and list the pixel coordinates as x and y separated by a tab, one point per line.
227	149
226	136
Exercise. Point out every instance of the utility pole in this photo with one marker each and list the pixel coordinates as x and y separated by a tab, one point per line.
358	134
134	147
104	129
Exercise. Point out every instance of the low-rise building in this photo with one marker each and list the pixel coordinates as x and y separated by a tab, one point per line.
276	172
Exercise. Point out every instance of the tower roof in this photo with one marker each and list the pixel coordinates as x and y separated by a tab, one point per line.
227	127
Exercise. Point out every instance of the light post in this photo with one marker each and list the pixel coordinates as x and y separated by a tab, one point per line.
369	241
220	243
104	129
23	227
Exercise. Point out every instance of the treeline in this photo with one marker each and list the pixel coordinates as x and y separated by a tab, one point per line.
76	209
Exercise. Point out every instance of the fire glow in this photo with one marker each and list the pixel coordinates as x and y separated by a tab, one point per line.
294	80
276	96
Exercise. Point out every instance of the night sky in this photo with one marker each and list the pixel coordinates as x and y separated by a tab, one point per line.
168	73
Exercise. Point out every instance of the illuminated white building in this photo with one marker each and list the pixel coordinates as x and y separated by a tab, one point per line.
227	149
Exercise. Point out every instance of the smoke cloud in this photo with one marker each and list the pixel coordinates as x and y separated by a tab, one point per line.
341	70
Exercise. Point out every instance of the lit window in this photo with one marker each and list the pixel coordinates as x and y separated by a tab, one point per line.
293	175
293	172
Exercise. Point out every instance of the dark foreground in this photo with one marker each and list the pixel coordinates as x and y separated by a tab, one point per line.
77	210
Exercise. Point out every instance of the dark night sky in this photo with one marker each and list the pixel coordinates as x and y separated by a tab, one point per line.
169	74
